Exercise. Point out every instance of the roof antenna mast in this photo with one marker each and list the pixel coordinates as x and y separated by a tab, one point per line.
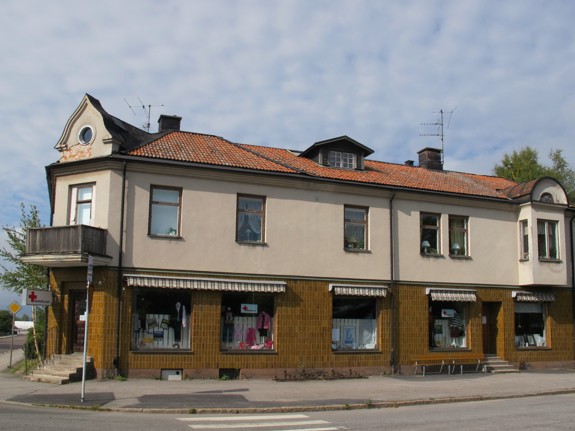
147	111
439	133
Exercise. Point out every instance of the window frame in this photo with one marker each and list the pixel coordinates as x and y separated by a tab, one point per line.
436	228
464	248
154	203
339	345
261	213
348	245
524	239
436	338
550	237
74	203
523	341
342	159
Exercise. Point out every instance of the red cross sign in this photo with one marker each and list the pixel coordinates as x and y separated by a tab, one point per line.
36	297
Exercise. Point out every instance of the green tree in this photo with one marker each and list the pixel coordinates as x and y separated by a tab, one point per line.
14	274
523	166
5	322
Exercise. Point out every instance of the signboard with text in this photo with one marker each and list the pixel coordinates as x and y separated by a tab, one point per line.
36	297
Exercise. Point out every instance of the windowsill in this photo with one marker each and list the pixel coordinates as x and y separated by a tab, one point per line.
546	260
160	351
356	250
531	348
436	255
455	256
449	349
253	243
157	236
355	351
524	259
249	352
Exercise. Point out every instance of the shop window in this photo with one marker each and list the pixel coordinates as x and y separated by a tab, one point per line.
429	241
530	320
354	323
165	211
447	324
355	228
81	200
250	219
458	236
548	246
247	321
524	239
161	319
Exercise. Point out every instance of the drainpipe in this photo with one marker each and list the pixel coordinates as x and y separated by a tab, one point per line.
572	275
392	288
119	280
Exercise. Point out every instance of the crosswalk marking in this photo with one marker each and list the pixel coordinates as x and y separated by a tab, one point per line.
295	422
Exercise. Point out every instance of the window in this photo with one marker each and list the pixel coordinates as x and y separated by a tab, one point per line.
339	159
354	324
250	219
86	134
165	211
161	319
547	198
458	236
524	239
447	324
530	320
429	243
547	239
247	321
81	198
355	228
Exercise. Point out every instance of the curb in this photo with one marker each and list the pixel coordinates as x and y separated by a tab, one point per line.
303	408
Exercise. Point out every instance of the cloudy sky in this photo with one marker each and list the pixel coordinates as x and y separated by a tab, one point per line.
288	73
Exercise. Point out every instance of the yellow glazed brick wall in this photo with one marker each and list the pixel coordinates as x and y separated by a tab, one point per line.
412	321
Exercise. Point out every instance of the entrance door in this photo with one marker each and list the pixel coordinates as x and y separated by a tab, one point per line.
489	318
78	324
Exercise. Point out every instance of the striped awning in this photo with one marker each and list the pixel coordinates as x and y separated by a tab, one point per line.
458	295
214	284
354	290
532	296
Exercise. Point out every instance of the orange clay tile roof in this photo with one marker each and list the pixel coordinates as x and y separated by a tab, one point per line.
216	151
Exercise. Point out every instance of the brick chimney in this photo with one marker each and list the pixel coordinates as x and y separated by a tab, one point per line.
168	122
430	158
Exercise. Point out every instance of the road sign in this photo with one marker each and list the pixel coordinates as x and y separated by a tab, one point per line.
14	308
36	297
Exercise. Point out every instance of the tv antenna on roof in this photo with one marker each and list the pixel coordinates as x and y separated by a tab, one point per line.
147	110
439	133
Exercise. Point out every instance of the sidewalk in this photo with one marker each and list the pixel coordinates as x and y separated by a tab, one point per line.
250	396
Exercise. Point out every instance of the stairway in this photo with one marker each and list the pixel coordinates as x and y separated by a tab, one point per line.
63	369
497	365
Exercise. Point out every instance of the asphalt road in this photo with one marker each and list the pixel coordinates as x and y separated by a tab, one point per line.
5	342
550	413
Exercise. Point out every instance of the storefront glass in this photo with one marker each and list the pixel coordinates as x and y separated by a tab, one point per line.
161	319
447	324
247	321
530	324
354	323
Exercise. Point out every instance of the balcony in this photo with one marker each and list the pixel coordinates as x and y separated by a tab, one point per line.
64	246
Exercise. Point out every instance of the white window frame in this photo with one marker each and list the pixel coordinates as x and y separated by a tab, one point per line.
425	248
243	216
76	201
342	159
173	231
356	244
548	231
524	239
462	249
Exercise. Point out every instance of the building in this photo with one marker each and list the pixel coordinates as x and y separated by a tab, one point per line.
212	257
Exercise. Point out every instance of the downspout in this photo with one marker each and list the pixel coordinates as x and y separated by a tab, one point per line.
392	337
119	280
49	287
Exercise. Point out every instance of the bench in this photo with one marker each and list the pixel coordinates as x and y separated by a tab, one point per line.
450	366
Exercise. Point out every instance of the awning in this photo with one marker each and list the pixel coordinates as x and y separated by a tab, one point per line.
458	295
214	284
354	290
532	296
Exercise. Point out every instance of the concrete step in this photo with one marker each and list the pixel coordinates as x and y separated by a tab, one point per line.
62	370
497	365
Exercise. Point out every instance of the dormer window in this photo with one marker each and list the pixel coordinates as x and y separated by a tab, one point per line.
547	198
340	159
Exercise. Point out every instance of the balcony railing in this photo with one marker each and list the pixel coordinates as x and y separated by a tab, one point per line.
77	239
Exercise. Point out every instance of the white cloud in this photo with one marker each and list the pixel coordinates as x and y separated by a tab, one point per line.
289	73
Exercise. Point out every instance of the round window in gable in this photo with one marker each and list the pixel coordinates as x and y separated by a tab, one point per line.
86	135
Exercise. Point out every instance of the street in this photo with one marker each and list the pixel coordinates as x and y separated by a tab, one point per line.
551	413
5	342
